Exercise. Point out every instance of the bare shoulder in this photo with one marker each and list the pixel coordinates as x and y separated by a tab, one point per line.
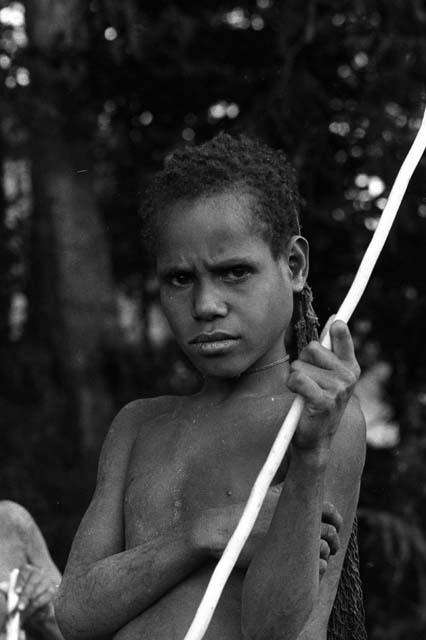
132	421
139	413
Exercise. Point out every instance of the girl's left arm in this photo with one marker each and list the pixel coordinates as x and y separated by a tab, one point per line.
283	598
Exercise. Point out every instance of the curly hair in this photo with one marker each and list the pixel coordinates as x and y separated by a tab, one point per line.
227	163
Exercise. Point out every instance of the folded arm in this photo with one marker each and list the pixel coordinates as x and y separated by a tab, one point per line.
105	586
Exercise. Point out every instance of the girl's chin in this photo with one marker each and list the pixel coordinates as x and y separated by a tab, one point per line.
221	370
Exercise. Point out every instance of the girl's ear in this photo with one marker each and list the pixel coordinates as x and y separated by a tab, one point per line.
298	261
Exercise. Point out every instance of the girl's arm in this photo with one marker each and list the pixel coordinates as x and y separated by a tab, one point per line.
104	586
282	591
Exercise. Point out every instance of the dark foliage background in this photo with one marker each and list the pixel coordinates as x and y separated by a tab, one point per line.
93	96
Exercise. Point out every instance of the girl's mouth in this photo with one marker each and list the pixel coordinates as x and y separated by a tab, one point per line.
215	343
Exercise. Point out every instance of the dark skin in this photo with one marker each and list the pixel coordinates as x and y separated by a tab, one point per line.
175	473
22	546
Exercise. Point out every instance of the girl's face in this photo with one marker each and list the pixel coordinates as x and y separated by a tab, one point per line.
227	300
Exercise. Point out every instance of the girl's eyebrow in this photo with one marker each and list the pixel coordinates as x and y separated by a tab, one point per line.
215	265
231	262
165	272
214	262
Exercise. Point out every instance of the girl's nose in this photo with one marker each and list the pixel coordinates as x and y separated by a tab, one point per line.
208	303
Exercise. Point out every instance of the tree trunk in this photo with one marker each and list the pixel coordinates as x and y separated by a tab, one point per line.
71	293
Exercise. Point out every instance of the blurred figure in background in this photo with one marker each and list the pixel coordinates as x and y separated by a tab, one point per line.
22	546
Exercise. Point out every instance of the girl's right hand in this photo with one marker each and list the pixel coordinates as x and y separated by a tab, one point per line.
325	379
331	522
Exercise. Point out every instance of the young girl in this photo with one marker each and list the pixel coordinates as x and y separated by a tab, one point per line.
175	472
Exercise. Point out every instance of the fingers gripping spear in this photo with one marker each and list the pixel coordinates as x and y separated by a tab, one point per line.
236	543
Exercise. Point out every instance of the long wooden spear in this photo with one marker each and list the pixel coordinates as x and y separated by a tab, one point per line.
238	539
13	621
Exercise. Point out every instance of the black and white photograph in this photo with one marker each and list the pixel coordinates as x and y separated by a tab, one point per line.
212	319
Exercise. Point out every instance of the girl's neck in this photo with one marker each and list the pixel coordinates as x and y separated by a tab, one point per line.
267	379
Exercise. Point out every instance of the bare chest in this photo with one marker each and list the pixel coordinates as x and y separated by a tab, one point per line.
195	460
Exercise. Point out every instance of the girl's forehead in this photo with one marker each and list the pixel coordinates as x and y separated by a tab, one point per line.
220	214
216	225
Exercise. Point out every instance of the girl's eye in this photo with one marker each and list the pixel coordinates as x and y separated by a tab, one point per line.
180	279
235	274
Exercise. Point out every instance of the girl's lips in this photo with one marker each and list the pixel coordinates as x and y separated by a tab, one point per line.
215	347
212	336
